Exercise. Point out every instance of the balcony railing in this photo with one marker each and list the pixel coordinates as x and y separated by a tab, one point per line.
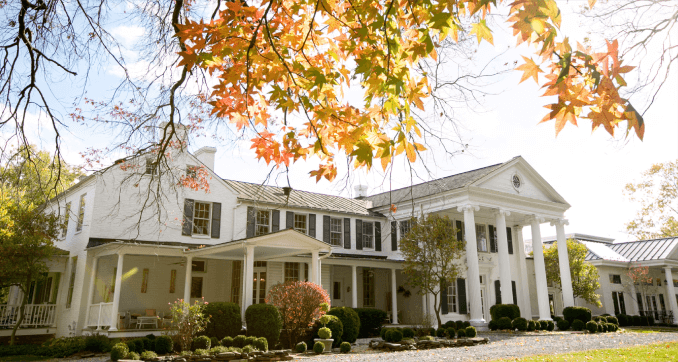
35	315
100	315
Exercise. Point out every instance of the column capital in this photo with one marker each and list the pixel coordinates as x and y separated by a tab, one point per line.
560	221
535	218
468	207
668	268
501	211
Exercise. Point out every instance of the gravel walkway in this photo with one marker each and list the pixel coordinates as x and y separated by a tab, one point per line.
511	346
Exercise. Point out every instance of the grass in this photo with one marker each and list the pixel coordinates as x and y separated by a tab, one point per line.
647	353
23	358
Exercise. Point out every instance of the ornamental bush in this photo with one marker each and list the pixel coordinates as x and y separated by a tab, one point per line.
408	332
325	333
563	325
202	342
239	341
504	323
149	344
133	356
227	342
650	320
441	332
599	319
249	340
350	322
531	325
119	351
97	343
225	319
543	325
592	326
393	335
248	349
470	331
451	332
164	345
613	320
371	321
450	324
334	325
623	320
601	328
188	320
146	355
263	320
214	342
638	320
318	347
345	347
610	327
493	325
550	326
581	313
519	323
261	344
578	325
461	333
511	311
300	347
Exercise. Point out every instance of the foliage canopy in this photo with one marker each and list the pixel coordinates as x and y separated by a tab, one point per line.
584	274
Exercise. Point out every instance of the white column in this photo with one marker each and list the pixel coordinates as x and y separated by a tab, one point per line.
564	263
671	290
249	279
354	286
188	279
540	270
504	263
526	305
320	272
116	295
633	298
90	293
477	318
394	297
314	267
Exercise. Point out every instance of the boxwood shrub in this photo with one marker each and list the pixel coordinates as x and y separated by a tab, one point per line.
239	341
543	325
531	325
601	327
119	351
550	326
470	331
592	326
493	325
164	345
519	323
225	319
350	321
407	333
345	347
563	325
261	344
461	333
393	335
451	332
581	313
227	341
97	343
511	311
318	347
613	320
578	325
371	321
202	342
300	347
504	323
623	320
334	325
263	320
441	332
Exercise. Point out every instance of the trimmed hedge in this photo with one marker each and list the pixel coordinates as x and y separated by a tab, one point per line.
581	313
239	341
350	321
407	333
164	345
345	347
202	342
531	325
504	323
225	319
519	323
318	347
592	326
97	343
470	331
119	351
371	321
451	332
613	320
543	325
301	347
623	320
261	344
461	333
550	326
227	342
563	325
393	335
511	311
441	332
493	325
263	320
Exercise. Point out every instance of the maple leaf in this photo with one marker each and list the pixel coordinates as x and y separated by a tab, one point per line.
482	31
530	69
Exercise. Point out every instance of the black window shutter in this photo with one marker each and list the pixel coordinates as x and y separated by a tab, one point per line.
276	220
358	234
616	303
347	233
497	291
326	229
515	295
394	235
493	239
509	238
459	227
661	302
377	236
443	297
250	222
216	220
311	225
622	303
639	298
289	220
187	228
461	292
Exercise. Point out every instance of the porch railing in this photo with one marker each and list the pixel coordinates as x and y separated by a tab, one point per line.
659	316
100	315
35	315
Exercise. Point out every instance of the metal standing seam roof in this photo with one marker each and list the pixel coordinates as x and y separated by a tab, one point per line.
641	250
303	199
432	187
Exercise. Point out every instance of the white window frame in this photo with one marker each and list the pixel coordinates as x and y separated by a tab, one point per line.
289	268
612	278
150	169
404	227
368	239
257	224
482	228
208	228
334	233
81	213
204	266
368	285
67	216
452	297
294	225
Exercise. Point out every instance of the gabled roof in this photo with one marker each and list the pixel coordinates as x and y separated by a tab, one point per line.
632	251
309	200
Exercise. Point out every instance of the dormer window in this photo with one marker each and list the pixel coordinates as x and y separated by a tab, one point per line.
263	222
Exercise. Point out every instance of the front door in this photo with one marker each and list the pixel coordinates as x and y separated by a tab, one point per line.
338	292
259	287
483	300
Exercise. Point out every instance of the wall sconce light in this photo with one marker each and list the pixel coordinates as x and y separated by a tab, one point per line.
348	289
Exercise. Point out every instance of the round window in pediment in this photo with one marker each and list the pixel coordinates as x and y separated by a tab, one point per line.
516	181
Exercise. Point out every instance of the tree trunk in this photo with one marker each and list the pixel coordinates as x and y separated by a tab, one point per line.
436	308
21	313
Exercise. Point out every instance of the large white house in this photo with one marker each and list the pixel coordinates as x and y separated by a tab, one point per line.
236	241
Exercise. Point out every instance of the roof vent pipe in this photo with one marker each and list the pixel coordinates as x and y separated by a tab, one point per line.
360	191
287	190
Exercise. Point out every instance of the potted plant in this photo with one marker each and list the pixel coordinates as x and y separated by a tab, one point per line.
325	334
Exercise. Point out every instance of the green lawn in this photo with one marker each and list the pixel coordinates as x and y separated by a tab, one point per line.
648	353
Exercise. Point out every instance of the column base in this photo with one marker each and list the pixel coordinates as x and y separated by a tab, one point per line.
479	324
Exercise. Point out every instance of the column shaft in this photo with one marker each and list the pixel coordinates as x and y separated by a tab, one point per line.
394	297
188	279
540	273
564	263
116	295
90	293
314	267
526	305
504	263
249	279
354	286
473	272
671	290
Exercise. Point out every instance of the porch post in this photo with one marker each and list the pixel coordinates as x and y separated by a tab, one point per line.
249	279
320	272
116	294
477	318
633	298
188	279
540	270
504	263
314	267
354	286
671	290
564	262
394	298
524	286
90	293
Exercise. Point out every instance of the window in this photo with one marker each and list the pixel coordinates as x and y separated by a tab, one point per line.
196	287
452	297
262	222
336	290
81	213
300	223
659	282
201	218
368	287
619	304
336	231
405	227
71	283
67	216
198	266
615	279
151	166
291	272
481	237
368	235
236	281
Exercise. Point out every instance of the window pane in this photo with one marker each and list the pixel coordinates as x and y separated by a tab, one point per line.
196	287
300	223
291	272
368	287
452	297
262	223
368	235
201	218
336	231
481	237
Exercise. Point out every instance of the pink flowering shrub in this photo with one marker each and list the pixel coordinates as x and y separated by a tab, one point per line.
187	321
299	304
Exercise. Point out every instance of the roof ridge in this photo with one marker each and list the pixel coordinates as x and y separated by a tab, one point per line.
638	241
297	190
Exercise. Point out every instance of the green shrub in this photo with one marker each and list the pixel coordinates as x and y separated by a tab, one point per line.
300	347
441	332
139	345
504	323
263	320
461	333
201	352
119	351
349	320
451	332
150	336
63	347
335	325
550	326
393	335
638	320
239	341
202	342
318	347
578	325
599	319
531	325
214	341
146	355
132	356
426	338
601	327
470	331
610	327
623	320
592	326
511	311
408	333
324	333
149	344
519	323
97	343
261	344
493	325
371	321
650	320
581	313
164	345
345	347
543	325
450	324
248	349
249	341
227	341
225	319
563	325
613	320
